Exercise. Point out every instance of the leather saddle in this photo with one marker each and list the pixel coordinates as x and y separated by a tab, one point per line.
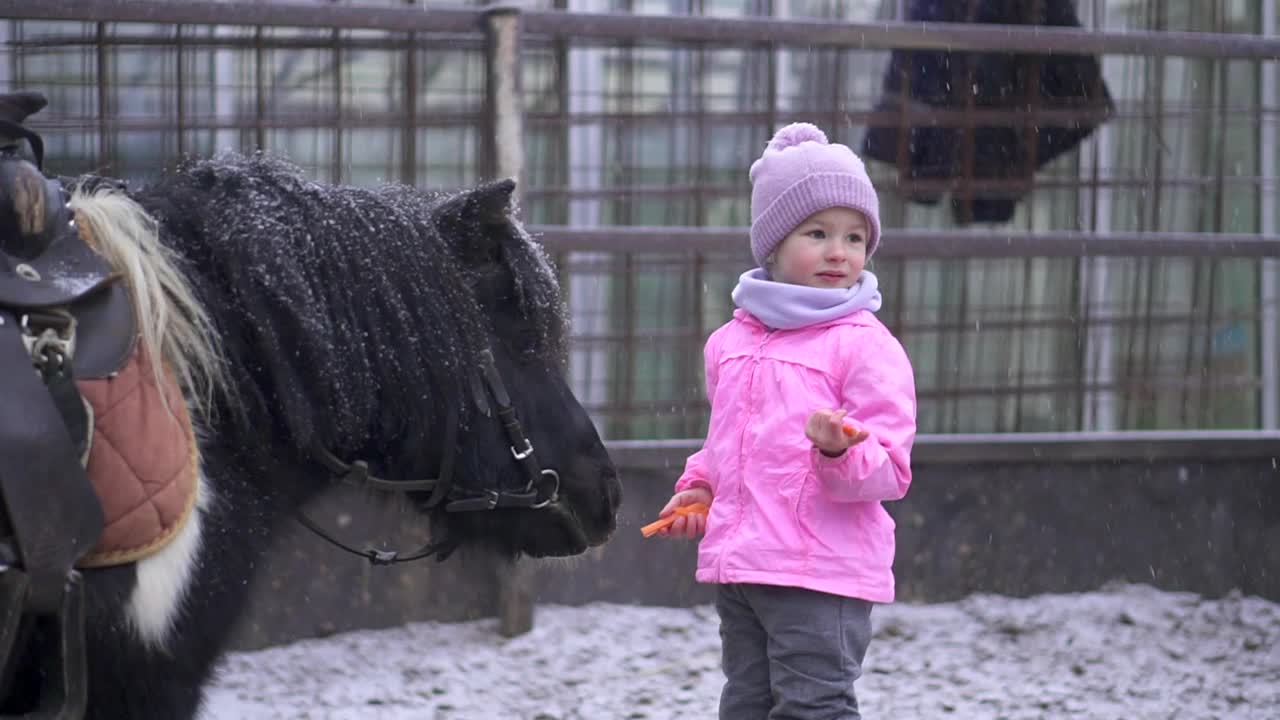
63	314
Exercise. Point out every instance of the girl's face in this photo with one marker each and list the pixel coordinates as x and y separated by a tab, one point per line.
827	250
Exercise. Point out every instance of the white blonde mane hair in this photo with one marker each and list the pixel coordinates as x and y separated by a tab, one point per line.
171	322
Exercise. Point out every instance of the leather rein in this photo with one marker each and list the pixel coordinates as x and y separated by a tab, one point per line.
542	489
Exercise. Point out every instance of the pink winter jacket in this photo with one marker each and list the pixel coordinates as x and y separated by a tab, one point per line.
783	513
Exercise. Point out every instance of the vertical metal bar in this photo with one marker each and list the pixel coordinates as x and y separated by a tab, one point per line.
627	378
338	101
680	73
180	86
1157	269
583	144
1223	96
1154	145
690	368
1189	364
1098	404
1030	137
1088	273
1138	388
409	118
1030	131
838	57
779	70
623	265
693	358
1157	97
626	133
260	88
968	132
1269	224
226	97
954	344
106	156
563	171
1019	353
560	172
1077	289
1000	353
15	38
626	210
899	281
1152	269
700	158
9	64
903	149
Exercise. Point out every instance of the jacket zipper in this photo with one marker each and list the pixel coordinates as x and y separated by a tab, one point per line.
742	443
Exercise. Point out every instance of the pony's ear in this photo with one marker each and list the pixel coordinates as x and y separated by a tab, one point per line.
470	218
487	204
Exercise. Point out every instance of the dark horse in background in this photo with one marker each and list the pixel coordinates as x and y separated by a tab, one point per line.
391	337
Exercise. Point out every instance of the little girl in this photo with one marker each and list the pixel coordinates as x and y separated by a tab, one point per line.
812	420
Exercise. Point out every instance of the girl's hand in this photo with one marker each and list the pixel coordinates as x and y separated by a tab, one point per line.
827	431
686	526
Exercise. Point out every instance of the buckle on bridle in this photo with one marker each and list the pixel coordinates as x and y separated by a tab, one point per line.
526	452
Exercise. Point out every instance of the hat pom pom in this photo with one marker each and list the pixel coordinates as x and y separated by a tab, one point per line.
796	133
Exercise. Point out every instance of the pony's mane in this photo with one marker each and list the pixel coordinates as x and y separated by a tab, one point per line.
171	323
343	314
536	285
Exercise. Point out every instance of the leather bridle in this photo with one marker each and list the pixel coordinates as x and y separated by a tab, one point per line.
490	396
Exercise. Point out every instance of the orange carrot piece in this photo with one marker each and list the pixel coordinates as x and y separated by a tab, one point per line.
691	509
849	430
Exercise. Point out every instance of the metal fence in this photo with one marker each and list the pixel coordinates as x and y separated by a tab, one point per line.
1134	286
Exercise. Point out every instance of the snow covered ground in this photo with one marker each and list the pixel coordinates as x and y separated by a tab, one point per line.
1128	652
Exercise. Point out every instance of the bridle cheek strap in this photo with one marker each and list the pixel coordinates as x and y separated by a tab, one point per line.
541	491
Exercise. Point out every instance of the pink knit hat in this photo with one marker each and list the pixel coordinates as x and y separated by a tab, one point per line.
799	174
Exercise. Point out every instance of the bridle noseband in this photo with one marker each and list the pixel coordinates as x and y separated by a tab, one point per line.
541	491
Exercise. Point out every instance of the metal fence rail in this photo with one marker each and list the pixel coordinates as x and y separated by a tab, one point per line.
604	27
915	243
1134	289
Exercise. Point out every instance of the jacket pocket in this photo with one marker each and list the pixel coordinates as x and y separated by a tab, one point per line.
770	511
857	530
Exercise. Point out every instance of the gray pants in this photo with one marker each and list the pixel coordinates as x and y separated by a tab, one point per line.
790	653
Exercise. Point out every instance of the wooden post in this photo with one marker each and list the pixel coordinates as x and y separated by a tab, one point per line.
515	596
506	159
503	95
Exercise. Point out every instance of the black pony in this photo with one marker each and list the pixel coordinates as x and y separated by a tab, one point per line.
386	336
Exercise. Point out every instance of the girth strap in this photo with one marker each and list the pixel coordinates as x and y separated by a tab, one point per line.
53	511
50	516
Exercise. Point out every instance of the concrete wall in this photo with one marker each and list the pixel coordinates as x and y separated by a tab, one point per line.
308	588
1014	515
